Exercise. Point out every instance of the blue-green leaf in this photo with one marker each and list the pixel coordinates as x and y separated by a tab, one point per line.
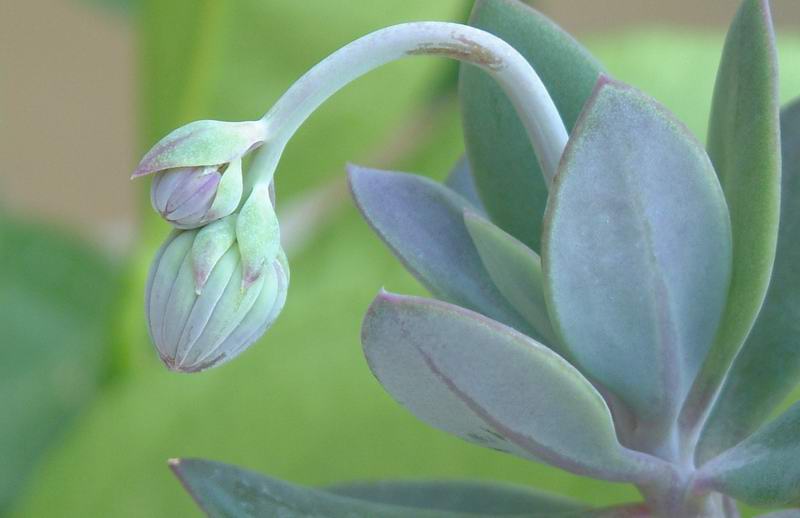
463	496
516	271
744	146
484	382
636	252
503	162
762	470
768	366
462	182
422	222
225	491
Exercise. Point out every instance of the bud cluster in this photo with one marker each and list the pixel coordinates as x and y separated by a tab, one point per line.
220	279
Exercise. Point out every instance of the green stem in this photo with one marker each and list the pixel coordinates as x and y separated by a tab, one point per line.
515	75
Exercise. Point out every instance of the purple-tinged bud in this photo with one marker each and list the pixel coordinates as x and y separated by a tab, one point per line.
198	170
190	197
195	331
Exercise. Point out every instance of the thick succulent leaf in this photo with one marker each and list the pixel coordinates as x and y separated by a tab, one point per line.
765	468
484	382
636	251
461	181
422	223
516	271
467	496
226	491
744	146
768	366
503	162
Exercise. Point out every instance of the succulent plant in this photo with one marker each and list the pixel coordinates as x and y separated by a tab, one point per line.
610	296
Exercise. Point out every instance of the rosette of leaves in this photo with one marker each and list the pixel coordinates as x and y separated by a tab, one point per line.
636	321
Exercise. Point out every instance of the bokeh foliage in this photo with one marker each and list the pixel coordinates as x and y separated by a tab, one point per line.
301	405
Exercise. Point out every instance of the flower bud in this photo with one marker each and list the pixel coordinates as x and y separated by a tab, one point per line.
195	328
199	171
189	197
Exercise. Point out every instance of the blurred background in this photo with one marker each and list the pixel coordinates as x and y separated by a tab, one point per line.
88	417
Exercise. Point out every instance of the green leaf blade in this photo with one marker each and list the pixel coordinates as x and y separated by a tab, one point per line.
482	381
764	469
421	221
505	168
461	496
768	366
744	146
636	252
516	271
225	491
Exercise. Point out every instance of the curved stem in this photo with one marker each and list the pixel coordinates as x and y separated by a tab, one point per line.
508	67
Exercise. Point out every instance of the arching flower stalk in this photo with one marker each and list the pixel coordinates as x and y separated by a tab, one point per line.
198	173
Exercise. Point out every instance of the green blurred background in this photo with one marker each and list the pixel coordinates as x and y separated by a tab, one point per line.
88	417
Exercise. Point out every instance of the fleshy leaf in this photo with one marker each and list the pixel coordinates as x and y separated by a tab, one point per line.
422	223
461	496
484	382
201	143
516	271
768	366
764	469
504	165
636	252
226	491
744	146
462	182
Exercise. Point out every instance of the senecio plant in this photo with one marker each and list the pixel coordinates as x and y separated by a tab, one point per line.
611	297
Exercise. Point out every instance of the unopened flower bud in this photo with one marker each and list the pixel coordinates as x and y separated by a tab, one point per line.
198	170
194	328
189	197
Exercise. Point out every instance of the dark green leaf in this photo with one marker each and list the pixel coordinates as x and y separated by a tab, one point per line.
55	295
744	146
422	222
516	271
768	366
503	162
472	497
225	491
484	382
762	470
636	252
